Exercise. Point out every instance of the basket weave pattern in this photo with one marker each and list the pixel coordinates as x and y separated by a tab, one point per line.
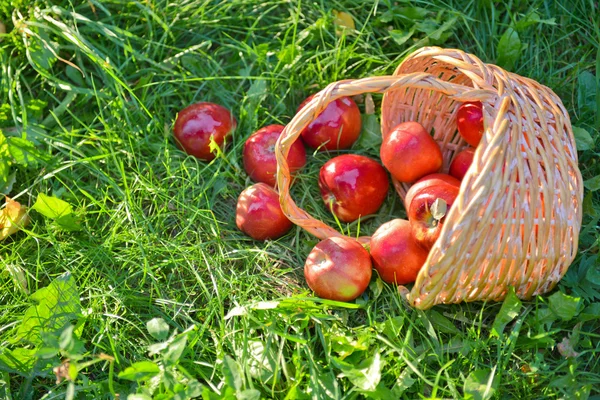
516	220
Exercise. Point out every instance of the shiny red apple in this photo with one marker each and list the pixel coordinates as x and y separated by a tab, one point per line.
469	120
338	268
428	180
353	186
409	152
336	127
461	163
198	123
396	255
259	155
427	212
258	213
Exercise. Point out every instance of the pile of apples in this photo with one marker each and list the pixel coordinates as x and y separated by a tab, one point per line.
352	186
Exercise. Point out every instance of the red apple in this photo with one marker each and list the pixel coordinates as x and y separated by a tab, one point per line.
429	180
258	213
336	127
427	212
259	155
338	268
409	152
396	255
198	123
461	163
469	120
353	186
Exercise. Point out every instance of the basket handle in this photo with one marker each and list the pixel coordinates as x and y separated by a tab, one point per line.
332	92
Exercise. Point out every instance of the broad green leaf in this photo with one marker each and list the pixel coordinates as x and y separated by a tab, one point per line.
345	344
427	26
441	323
69	343
139	396
404	382
387	16
194	389
392	327
6	182
593	274
590	313
376	288
370	137
54	307
207	394
401	37
543	317
324	384
249	394
140	371
587	88
481	384
509	311
176	348
583	139
443	32
58	210
258	88
509	49
232	373
42	51
592	184
262	362
573	387
35	109
69	222
412	14
158	328
458	345
588	205
532	19
381	393
366	375
19	360
170	379
564	306
51	207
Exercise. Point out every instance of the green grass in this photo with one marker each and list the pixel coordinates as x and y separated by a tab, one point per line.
95	88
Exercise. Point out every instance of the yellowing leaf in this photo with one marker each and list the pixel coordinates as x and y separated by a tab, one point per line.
343	20
13	217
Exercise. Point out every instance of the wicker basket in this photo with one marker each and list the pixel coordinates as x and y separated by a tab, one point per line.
516	220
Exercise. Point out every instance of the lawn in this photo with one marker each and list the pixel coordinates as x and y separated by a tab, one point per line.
132	280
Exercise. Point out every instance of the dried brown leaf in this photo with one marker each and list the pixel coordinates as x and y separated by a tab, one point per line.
565	348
